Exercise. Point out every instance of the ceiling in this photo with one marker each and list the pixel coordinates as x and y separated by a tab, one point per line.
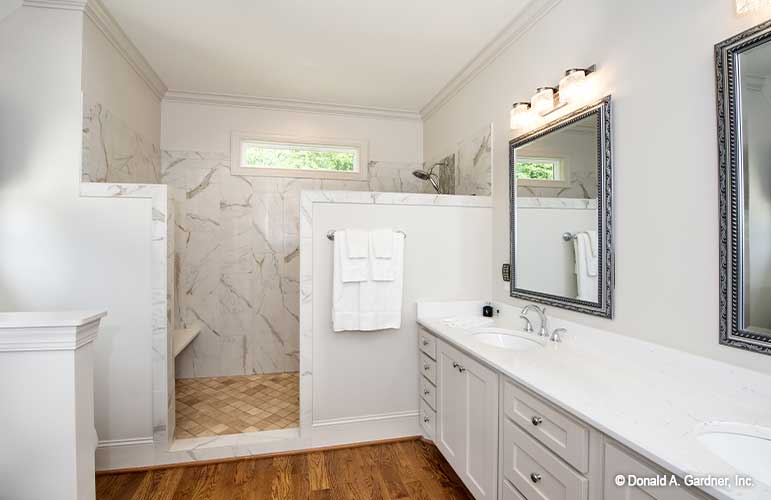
394	54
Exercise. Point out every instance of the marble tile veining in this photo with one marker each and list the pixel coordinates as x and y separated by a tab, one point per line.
113	152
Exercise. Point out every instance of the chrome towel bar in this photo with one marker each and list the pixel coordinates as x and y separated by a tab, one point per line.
331	234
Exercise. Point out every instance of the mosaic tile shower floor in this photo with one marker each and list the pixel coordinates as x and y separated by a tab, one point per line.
215	406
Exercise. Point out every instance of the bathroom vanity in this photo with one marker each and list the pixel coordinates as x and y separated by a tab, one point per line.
498	416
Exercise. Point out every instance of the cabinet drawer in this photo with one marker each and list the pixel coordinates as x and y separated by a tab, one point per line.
428	368
428	392
427	343
535	472
619	461
557	431
510	493
427	419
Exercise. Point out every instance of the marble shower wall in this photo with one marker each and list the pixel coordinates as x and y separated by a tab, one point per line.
237	259
467	170
113	152
475	164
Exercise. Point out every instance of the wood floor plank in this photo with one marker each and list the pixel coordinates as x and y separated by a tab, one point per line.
410	470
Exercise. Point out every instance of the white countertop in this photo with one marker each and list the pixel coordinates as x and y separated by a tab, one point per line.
45	319
648	397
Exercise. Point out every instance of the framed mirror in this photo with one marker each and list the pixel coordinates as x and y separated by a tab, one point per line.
743	74
561	212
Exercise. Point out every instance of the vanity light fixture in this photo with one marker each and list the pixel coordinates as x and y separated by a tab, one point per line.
520	116
574	86
543	100
745	6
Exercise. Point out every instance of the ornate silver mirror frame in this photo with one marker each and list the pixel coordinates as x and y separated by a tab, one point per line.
733	329
605	274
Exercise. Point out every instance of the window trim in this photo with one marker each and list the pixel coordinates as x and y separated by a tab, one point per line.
562	182
361	148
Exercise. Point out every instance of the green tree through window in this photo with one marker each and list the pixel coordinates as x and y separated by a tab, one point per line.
291	158
536	170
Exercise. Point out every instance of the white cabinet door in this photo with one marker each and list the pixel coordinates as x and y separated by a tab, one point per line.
620	463
450	406
481	467
467	419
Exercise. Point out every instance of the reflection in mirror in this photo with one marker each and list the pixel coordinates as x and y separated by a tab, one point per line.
557	212
743	70
560	225
755	72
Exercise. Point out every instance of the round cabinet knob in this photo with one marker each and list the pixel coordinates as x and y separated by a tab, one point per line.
536	420
535	477
426	419
461	369
425	342
426	367
455	364
426	392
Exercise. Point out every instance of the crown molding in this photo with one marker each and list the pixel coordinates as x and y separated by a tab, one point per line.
296	105
56	4
123	44
525	20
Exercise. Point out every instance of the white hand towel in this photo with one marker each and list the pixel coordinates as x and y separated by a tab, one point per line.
357	243
586	273
380	302
345	295
383	241
352	269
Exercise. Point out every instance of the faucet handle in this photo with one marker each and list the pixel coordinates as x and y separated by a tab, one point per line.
528	324
556	335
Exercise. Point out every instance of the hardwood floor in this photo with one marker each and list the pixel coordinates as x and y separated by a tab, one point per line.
405	470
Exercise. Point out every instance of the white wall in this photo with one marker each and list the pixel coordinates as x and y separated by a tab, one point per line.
546	262
360	374
59	251
110	81
196	127
655	58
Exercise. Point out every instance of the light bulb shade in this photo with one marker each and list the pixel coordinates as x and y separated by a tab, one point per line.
573	87
520	116
744	6
543	100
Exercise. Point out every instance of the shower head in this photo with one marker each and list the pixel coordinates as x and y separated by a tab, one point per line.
422	175
427	176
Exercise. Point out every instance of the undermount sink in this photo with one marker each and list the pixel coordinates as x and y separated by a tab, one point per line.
746	447
507	339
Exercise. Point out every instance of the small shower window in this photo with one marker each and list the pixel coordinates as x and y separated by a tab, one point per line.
544	172
298	157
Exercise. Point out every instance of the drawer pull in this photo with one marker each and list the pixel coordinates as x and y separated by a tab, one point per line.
536	420
534	477
461	369
426	419
426	392
425	342
426	367
455	364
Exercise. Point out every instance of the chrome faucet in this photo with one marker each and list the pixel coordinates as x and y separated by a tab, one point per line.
544	330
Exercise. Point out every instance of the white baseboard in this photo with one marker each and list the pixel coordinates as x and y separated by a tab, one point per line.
108	443
141	452
365	418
